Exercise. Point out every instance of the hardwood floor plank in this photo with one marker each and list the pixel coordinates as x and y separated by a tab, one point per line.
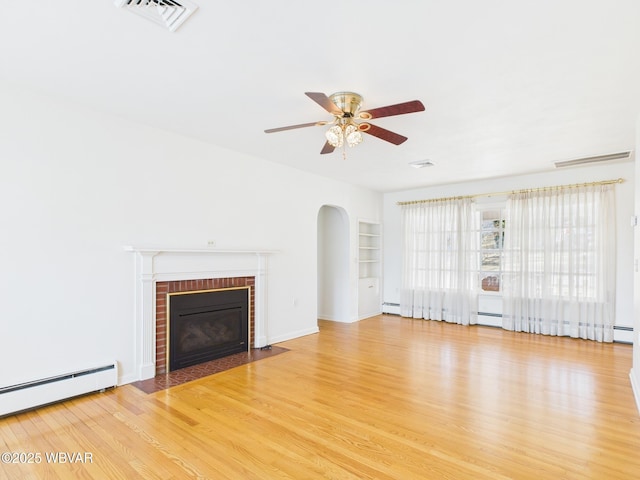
383	398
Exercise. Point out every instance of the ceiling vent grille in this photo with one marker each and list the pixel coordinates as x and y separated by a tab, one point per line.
595	159
168	13
422	164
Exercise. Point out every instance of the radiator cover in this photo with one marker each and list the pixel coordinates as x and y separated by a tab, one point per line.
25	396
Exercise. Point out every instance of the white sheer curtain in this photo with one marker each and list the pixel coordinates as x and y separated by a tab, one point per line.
439	261
559	262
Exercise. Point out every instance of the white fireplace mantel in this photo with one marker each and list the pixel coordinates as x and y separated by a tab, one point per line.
156	264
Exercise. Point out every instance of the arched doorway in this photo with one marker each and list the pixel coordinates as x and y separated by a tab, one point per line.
333	264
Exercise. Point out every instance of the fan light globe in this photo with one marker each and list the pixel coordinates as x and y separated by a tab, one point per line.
334	136
353	135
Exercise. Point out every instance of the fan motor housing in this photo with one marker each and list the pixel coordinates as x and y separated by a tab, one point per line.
348	102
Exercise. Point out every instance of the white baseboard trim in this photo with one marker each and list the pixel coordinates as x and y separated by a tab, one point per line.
368	315
129	378
333	319
325	317
635	386
292	335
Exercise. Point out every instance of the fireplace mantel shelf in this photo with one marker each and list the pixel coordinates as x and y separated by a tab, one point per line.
151	249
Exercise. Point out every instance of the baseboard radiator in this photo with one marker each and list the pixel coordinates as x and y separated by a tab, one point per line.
25	396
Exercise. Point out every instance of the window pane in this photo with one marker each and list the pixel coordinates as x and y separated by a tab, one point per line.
490	216
490	261
491	240
490	283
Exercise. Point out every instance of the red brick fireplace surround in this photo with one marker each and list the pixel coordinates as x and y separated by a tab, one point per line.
163	288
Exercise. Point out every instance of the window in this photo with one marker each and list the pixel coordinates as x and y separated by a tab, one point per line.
559	262
439	261
559	248
491	242
547	254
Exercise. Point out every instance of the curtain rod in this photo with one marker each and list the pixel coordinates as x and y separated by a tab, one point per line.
510	192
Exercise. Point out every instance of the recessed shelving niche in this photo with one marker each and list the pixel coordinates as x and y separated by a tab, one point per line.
369	268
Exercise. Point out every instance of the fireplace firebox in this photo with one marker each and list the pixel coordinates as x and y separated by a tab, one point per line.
205	325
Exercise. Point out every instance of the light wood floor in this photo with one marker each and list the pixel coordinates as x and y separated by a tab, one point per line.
385	398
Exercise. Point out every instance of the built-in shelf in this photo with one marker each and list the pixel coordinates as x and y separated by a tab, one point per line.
368	249
369	269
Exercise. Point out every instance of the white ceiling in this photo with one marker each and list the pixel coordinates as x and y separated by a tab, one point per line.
509	86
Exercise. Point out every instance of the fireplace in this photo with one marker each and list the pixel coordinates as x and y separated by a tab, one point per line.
205	325
160	271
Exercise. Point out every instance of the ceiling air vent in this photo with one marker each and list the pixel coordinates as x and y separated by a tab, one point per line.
597	158
422	164
168	13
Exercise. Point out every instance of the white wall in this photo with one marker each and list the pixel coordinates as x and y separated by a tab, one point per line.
635	370
77	185
624	233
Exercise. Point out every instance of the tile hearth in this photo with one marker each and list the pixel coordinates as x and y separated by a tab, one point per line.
178	377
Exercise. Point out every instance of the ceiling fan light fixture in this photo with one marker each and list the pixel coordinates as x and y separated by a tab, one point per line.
344	131
345	108
353	135
335	136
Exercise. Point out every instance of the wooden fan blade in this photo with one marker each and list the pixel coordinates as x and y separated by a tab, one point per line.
384	134
328	148
322	100
292	127
391	110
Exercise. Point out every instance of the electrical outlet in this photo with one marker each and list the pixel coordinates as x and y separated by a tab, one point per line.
211	243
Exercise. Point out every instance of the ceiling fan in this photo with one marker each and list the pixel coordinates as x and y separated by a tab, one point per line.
345	107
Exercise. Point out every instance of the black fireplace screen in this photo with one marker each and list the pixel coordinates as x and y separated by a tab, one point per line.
207	325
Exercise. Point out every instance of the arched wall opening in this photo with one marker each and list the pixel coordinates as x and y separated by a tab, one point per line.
333	264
